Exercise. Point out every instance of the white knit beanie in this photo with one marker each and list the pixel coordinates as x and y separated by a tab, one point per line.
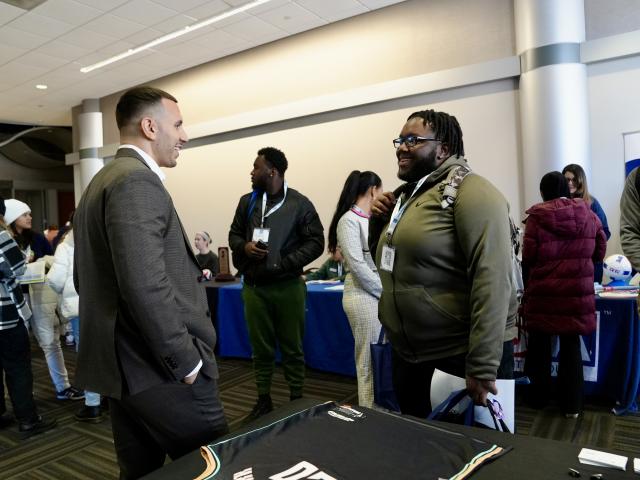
15	208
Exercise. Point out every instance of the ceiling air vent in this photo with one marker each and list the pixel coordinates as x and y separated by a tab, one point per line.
24	4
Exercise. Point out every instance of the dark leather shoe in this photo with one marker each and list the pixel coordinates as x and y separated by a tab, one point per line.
36	425
263	406
89	414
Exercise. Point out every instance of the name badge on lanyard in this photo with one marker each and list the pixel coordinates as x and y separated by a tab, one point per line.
262	234
388	257
389	251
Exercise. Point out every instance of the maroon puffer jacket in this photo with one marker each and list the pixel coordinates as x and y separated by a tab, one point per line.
562	239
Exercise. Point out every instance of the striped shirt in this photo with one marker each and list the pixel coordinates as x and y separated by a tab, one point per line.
13	307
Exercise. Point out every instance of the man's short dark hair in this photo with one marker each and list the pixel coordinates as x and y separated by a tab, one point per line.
275	158
134	102
445	128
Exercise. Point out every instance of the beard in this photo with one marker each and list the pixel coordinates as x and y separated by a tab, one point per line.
418	166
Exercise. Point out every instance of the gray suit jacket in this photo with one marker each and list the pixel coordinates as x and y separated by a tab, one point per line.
143	315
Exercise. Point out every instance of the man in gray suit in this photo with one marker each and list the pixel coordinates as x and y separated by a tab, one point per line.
147	336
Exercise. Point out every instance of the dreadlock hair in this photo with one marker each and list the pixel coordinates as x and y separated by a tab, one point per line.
445	128
355	186
580	182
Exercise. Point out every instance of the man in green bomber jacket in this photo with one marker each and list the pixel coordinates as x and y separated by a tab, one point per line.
275	233
448	299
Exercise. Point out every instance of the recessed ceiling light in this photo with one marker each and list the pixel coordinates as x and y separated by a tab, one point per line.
41	86
172	35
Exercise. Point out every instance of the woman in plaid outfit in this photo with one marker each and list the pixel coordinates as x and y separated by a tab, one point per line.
350	232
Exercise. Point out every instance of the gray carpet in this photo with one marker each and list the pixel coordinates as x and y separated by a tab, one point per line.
78	451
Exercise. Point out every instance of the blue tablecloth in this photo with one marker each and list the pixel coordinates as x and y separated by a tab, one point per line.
328	341
611	355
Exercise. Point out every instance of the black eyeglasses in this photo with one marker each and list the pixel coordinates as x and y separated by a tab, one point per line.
411	141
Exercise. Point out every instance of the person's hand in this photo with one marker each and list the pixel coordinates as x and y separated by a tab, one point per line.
253	251
479	389
191	378
383	204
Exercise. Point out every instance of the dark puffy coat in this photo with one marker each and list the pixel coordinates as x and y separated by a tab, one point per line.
562	239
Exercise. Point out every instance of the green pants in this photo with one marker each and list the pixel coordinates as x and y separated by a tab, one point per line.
275	315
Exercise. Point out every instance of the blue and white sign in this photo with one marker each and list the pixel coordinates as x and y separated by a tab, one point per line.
631	151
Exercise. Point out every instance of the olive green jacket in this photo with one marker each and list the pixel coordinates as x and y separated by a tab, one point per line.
630	220
451	290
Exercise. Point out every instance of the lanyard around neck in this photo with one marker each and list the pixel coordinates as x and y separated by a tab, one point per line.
398	210
272	209
361	213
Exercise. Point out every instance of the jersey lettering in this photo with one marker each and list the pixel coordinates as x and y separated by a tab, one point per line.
246	474
303	470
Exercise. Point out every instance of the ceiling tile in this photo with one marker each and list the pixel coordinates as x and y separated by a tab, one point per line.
144	36
217	39
9	52
333	10
254	28
67	11
19	38
292	18
105	53
67	75
238	17
373	4
174	23
63	50
41	25
103	5
38	59
208	10
20	71
237	3
25	92
144	11
113	26
186	51
117	47
85	38
56	81
182	5
265	7
9	12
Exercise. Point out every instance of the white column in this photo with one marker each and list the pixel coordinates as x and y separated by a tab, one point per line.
89	141
553	89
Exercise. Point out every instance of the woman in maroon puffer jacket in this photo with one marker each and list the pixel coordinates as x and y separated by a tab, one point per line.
562	239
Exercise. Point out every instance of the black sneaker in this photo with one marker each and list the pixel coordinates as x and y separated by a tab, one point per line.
90	414
36	425
263	406
71	393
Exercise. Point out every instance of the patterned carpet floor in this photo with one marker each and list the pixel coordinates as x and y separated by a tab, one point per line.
79	451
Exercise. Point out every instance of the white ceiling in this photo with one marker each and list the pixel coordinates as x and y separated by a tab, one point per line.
49	44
